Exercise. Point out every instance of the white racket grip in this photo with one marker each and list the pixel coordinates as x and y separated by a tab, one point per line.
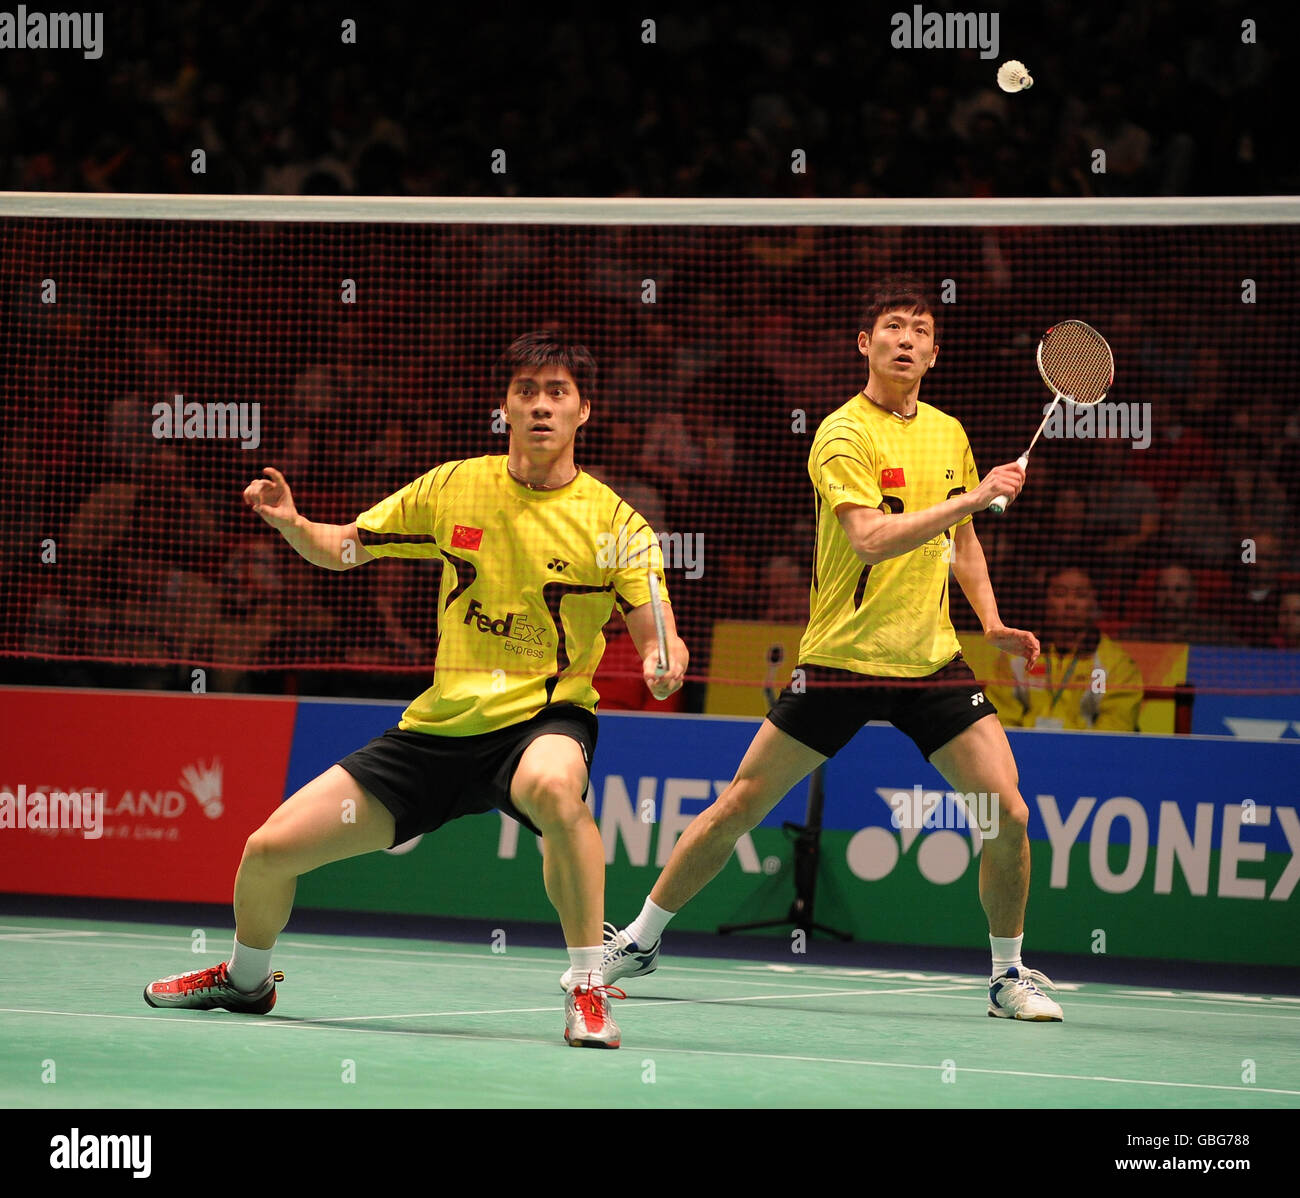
999	505
656	608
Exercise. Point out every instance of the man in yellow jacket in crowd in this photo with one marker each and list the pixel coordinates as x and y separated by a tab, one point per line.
1083	678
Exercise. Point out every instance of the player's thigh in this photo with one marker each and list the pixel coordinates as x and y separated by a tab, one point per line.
331	818
773	765
549	781
979	759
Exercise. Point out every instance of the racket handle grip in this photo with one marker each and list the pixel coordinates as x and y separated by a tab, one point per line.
999	505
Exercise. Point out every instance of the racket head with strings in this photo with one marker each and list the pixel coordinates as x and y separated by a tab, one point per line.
657	610
1076	363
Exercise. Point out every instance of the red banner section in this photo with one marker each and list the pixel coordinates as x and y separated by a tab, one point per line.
128	795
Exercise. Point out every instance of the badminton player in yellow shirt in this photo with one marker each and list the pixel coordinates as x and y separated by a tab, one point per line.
536	553
895	488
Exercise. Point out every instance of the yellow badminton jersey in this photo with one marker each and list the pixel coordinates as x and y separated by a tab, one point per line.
530	577
890	618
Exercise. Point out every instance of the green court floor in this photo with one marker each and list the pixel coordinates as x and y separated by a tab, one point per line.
400	1023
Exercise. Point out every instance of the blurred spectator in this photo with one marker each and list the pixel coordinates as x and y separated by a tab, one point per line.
1258	496
1286	467
688	448
1126	143
1082	680
1177	616
390	624
649	375
1287	635
131	549
785	591
1257	585
254	609
1125	514
620	442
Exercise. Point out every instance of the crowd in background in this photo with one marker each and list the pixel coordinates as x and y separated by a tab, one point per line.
418	100
703	413
707	399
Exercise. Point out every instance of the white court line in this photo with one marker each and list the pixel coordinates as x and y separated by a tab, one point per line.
641	1006
460	960
42	935
430	954
29	930
1093	1001
434	956
1255	1000
1098	1002
695	1052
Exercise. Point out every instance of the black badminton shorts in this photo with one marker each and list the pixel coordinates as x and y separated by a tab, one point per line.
427	781
833	704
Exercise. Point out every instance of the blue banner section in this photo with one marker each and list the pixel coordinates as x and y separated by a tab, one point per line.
1257	716
1059	770
328	729
658	772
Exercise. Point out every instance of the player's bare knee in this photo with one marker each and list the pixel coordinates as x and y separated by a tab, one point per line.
554	803
266	852
1014	812
735	812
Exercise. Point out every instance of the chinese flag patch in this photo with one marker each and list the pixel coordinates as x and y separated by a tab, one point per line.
464	537
892	476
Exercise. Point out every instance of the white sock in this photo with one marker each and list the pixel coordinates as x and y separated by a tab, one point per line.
647	927
585	961
1006	953
249	967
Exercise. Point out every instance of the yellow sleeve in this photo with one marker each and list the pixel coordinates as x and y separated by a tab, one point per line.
970	478
842	466
630	551
1119	706
402	524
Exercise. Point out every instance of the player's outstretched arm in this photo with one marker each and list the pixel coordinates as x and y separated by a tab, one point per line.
972	573
877	536
641	627
331	546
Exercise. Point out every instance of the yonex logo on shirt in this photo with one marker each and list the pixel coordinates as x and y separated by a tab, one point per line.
556	564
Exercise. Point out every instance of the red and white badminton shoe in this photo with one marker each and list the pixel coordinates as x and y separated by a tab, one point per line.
587	1020
208	988
1014	995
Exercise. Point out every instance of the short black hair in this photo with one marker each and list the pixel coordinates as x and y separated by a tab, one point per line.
548	347
1070	567
897	293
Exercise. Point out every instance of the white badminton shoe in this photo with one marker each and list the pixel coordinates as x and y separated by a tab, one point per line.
1015	995
622	959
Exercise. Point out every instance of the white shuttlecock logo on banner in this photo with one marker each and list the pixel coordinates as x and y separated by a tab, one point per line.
1014	76
204	783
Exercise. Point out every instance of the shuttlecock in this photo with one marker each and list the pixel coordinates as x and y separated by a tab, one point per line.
1014	76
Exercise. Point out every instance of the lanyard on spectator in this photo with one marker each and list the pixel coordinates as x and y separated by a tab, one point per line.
1055	695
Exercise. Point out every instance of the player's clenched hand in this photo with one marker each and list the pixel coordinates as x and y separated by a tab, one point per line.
1004	481
1015	641
671	680
271	499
